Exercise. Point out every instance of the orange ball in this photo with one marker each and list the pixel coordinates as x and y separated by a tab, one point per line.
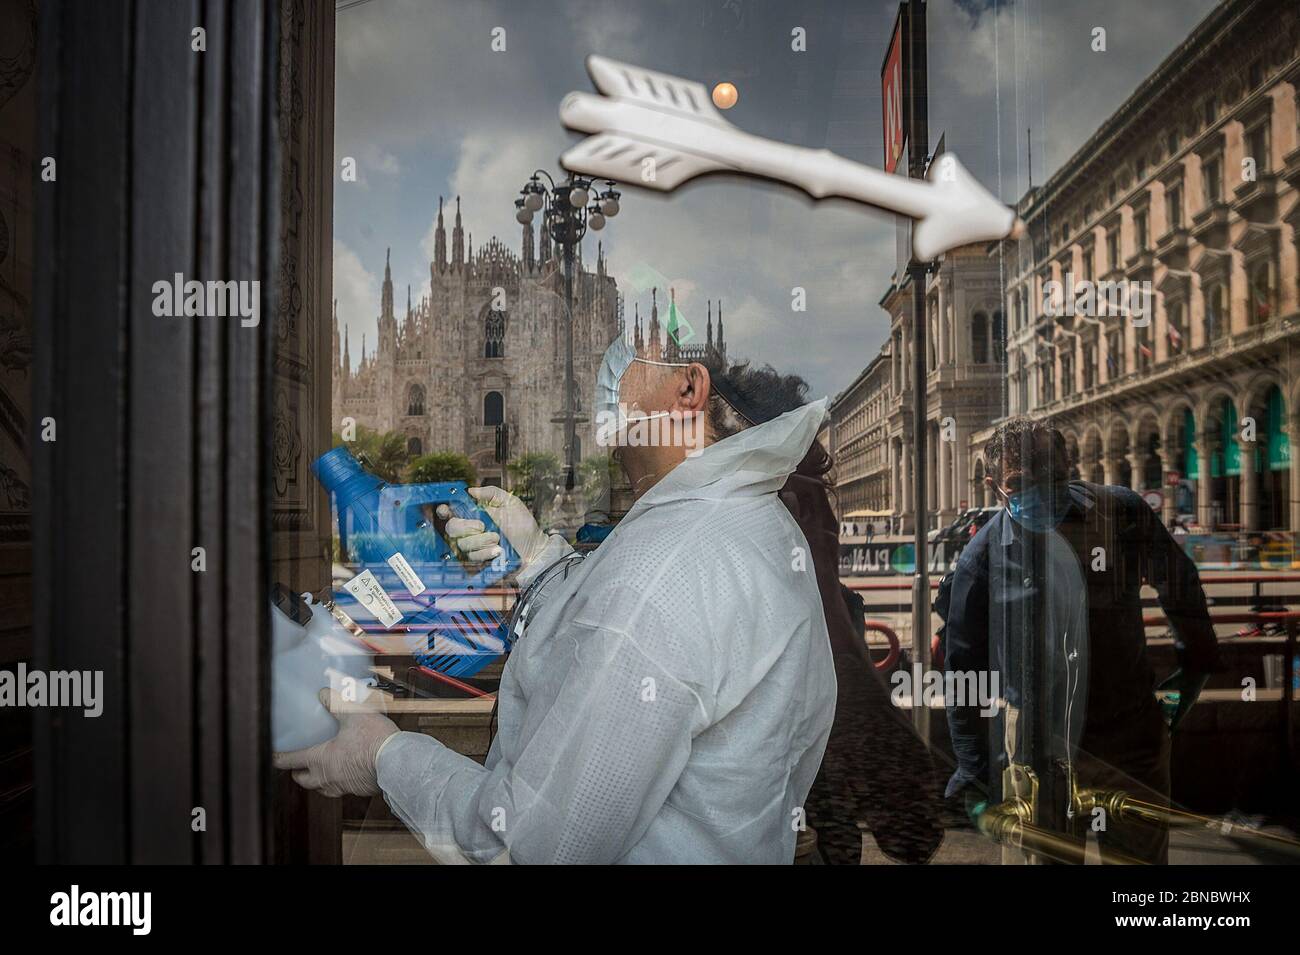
725	96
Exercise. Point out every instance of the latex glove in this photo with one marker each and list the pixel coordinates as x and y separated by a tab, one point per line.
510	514
470	538
346	763
1178	693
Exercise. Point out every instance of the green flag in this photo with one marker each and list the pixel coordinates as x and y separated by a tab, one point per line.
679	329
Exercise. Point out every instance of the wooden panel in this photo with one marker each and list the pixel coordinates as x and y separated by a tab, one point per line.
79	357
161	439
167	164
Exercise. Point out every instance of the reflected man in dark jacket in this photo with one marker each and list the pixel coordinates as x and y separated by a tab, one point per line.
1047	597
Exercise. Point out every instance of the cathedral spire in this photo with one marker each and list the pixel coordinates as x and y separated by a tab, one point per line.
347	352
638	341
457	240
654	324
335	347
709	340
440	242
722	344
386	298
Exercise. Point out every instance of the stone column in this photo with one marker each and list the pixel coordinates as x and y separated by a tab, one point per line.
1110	468
893	476
961	468
1136	467
1170	509
944	454
1204	506
1249	486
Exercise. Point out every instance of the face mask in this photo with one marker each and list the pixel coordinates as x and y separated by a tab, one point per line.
1040	507
612	418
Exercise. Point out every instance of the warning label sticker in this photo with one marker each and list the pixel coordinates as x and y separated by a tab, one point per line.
406	573
367	589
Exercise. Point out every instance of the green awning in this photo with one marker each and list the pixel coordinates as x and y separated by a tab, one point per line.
1277	450
1227	457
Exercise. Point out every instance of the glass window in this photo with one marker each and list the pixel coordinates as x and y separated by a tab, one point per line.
1257	146
494	335
1174	325
493	408
1262	291
1211	181
415	400
1216	311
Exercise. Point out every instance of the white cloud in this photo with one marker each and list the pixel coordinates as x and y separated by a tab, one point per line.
357	291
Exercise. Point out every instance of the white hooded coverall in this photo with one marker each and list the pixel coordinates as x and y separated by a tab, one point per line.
669	701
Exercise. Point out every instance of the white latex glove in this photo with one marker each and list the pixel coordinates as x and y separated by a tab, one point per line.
510	514
469	537
346	763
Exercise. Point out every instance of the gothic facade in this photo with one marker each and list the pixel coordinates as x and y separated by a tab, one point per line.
480	357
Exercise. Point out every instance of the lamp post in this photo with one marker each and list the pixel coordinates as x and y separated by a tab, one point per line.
568	209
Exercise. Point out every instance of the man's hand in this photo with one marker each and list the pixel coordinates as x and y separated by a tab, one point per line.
346	763
1178	693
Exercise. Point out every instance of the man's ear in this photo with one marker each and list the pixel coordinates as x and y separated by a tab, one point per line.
693	391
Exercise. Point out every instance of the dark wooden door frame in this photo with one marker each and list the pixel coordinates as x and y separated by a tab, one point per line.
167	162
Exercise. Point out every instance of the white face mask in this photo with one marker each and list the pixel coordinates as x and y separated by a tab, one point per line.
612	416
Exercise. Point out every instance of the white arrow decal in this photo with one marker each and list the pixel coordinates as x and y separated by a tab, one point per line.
668	125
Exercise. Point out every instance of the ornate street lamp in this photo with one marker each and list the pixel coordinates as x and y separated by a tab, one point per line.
568	209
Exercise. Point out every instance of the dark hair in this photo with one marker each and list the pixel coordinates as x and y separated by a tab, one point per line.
756	394
741	395
1029	445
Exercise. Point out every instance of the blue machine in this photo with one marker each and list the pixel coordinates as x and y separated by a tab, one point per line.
407	579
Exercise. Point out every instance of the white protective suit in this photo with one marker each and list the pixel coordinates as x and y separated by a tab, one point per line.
671	698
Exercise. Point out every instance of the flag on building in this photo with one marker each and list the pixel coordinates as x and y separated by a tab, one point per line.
679	329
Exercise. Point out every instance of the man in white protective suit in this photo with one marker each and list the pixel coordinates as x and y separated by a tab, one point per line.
670	695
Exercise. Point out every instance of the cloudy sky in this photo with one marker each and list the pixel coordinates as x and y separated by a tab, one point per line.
427	108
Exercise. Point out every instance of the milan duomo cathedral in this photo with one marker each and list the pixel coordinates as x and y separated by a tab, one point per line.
477	364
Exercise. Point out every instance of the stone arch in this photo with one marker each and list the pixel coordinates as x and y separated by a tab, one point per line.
979	492
1147	446
1118	445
